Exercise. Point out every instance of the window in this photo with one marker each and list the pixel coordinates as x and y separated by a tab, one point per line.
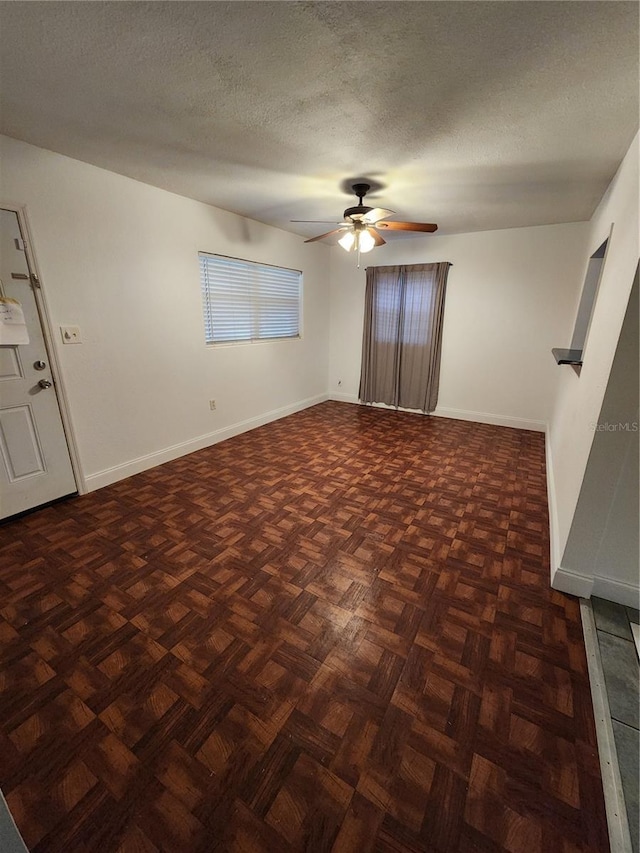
402	337
245	301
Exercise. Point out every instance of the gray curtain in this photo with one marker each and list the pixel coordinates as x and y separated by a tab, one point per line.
402	340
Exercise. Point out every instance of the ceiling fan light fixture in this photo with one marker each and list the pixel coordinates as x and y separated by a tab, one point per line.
348	241
366	241
361	223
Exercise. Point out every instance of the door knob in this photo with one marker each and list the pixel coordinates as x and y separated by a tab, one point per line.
44	383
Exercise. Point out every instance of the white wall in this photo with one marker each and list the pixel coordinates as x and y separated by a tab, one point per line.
579	398
511	297
604	530
120	259
603	543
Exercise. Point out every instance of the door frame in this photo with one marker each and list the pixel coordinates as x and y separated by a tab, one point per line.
47	331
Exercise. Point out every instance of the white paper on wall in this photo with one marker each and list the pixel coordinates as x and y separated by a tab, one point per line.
13	328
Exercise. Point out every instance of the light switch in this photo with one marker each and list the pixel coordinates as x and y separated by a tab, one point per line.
71	334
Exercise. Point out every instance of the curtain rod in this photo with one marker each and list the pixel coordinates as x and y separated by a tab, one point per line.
409	265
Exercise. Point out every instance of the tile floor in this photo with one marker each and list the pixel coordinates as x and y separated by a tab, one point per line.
10	840
618	631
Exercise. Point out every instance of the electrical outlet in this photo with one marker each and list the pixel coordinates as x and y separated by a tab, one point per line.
71	334
212	405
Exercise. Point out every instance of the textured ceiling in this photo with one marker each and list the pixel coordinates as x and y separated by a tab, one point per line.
474	115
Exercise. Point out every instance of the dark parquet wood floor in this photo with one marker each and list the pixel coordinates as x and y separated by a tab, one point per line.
333	633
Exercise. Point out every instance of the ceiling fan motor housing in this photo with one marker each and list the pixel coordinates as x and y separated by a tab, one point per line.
358	210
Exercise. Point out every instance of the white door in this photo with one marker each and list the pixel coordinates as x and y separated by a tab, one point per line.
35	467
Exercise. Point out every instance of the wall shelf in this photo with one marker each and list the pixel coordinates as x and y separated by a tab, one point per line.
567	356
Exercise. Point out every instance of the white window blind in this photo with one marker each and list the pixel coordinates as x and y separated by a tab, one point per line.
245	301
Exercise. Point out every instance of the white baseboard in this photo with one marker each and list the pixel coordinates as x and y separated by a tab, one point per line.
554	541
456	414
344	398
150	460
572	582
489	418
585	586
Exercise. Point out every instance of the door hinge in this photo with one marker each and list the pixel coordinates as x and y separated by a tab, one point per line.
35	281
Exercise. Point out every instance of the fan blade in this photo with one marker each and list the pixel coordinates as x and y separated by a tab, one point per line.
328	234
320	221
375	215
407	226
377	237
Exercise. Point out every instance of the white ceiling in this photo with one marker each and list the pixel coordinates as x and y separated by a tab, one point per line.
474	115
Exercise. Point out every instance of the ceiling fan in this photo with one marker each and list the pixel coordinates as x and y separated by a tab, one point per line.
361	226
